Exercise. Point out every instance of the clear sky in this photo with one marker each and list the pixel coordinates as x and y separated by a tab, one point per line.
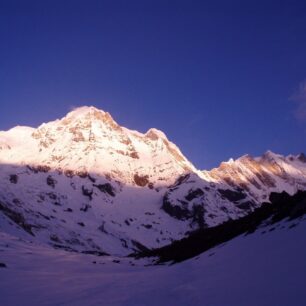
220	78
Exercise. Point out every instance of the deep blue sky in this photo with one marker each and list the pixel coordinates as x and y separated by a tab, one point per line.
215	76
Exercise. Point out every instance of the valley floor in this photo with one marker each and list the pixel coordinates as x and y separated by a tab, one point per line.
267	267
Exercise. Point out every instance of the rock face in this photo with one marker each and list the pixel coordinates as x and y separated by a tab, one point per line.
86	183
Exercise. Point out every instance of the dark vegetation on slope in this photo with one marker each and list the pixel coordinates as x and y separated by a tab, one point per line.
282	206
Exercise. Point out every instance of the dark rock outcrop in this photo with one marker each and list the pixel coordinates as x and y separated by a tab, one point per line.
232	195
14	178
106	188
51	181
16	217
180	212
87	192
184	212
192	194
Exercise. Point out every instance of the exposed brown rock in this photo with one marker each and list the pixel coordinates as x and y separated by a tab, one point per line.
141	180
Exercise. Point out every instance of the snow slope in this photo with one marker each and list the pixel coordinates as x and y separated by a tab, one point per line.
265	268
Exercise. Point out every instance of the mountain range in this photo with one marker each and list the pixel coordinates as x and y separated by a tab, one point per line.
84	183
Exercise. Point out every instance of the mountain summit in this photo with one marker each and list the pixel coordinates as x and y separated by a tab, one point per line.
89	140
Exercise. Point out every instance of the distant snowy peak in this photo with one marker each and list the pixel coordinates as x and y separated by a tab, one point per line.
89	139
260	175
260	167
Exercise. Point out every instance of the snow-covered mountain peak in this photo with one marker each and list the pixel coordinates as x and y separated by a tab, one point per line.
84	110
88	113
270	156
85	117
155	134
89	139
